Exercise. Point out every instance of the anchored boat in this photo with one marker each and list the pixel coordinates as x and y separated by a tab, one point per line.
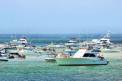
3	59
81	57
3	55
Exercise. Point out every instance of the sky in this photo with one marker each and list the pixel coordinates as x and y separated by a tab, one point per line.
60	16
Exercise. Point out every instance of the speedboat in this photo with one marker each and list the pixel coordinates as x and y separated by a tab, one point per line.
81	57
3	55
49	56
3	59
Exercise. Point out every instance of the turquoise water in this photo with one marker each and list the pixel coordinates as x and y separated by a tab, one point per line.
42	71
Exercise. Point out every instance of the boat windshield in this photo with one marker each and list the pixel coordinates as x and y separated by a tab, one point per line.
89	55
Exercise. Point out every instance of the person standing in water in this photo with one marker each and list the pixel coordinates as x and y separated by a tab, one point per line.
21	53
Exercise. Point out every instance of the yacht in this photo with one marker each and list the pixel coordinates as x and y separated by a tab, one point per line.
103	42
81	57
21	42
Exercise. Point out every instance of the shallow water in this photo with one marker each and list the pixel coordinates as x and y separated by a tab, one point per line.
42	71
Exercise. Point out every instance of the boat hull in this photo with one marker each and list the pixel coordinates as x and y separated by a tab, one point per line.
80	61
50	60
3	59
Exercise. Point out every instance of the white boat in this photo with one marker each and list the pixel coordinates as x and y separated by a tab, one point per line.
71	43
82	57
105	41
3	55
50	58
3	59
22	41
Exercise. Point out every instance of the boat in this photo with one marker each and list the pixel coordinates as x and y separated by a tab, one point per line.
81	57
3	55
22	41
104	42
50	58
72	44
3	59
